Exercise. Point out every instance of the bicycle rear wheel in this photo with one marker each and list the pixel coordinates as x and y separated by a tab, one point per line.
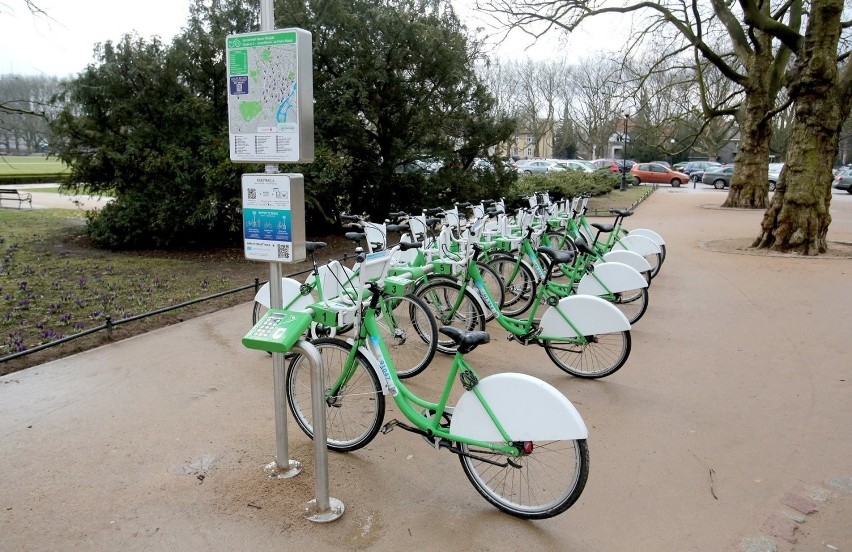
601	355
453	306
410	333
538	485
633	303
354	415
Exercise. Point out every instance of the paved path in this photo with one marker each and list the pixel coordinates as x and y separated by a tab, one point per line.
53	200
728	428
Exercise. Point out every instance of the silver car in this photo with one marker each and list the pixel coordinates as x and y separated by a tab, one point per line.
718	177
539	166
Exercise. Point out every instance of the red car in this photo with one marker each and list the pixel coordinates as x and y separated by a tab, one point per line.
657	174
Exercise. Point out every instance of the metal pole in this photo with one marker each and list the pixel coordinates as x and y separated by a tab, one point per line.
282	467
322	508
624	153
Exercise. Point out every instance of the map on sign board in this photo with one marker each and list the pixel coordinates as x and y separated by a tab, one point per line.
263	96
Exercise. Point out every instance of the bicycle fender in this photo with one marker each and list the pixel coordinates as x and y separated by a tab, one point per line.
615	276
650	234
289	291
630	258
528	409
376	367
639	244
588	313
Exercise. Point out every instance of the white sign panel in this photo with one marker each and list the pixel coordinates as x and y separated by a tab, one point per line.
274	217
270	97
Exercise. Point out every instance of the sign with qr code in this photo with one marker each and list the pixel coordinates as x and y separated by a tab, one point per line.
274	217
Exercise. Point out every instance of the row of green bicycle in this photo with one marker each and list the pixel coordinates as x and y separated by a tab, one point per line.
521	443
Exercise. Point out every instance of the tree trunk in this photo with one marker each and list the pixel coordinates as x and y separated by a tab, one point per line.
797	220
750	182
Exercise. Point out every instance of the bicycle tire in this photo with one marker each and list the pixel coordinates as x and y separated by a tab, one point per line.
520	286
441	296
353	416
601	356
632	303
493	283
655	260
257	312
523	488
410	333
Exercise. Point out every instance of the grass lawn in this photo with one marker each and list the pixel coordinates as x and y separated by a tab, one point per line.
617	200
30	164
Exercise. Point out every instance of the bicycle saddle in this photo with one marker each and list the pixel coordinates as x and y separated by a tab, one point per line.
466	341
621	212
603	227
397	228
561	257
355	236
310	246
583	247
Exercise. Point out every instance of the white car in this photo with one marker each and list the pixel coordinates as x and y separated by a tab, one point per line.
577	165
774	175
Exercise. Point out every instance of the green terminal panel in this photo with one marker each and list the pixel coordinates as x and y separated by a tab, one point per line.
278	331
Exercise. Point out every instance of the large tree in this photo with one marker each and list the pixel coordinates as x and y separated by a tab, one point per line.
798	217
147	123
394	82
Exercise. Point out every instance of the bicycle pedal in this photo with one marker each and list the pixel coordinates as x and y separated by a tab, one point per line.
388	427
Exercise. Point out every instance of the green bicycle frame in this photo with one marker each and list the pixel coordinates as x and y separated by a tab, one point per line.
406	400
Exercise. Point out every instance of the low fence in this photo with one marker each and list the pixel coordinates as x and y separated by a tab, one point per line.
605	212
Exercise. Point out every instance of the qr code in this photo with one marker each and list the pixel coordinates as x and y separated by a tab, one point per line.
252	193
283	250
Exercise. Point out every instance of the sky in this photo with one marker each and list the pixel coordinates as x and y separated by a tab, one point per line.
61	43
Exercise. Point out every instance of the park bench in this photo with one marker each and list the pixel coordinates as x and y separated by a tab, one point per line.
13	194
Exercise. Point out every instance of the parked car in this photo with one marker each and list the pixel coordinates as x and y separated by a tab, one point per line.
658	174
718	177
666	164
843	179
680	165
698	167
577	165
614	165
539	166
774	175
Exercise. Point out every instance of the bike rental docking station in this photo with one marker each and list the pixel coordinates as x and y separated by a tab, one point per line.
270	120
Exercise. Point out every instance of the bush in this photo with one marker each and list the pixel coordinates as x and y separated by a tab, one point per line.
567	183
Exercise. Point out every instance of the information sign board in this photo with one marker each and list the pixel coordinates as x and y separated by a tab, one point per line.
270	96
274	217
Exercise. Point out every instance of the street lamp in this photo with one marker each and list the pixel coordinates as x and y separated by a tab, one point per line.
624	152
672	141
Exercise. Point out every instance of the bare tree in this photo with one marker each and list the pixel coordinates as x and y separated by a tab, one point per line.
596	106
757	62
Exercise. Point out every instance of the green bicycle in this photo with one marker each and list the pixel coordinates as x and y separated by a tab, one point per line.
520	442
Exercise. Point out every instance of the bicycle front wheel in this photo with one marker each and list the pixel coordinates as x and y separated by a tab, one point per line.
600	356
410	333
354	414
518	283
453	306
538	485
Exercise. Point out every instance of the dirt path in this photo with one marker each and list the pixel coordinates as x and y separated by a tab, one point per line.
727	426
